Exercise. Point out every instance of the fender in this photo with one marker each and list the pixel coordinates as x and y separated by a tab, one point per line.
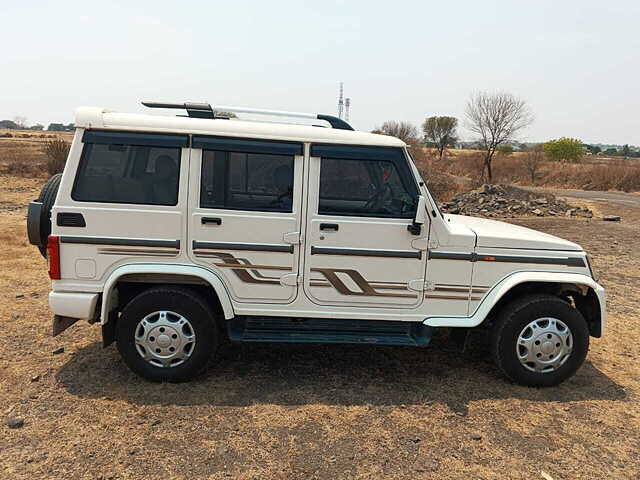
163	269
506	284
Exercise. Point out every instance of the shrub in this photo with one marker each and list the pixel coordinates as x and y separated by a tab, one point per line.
56	151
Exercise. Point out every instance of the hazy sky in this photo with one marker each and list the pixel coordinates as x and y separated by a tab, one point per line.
577	63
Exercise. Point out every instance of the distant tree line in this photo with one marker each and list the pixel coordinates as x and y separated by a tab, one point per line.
19	122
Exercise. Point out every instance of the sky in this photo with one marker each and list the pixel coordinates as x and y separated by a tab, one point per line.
576	63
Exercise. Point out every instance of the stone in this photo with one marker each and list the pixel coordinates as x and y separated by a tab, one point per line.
15	422
58	351
476	436
537	211
35	378
611	218
20	295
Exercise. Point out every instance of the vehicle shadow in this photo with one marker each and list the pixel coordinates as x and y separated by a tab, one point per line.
297	374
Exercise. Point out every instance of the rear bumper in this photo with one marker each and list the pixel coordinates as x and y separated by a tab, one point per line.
73	305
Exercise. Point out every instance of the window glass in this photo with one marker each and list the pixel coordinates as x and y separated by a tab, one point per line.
247	181
128	174
364	188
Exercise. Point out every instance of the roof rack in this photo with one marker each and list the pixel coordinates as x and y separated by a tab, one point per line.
204	110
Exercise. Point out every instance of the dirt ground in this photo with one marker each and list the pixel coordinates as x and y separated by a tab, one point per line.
329	412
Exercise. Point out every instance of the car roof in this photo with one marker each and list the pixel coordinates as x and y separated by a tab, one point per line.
100	118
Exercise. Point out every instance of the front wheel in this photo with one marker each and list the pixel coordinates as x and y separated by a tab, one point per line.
539	340
167	334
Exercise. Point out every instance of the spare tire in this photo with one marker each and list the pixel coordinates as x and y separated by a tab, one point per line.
47	197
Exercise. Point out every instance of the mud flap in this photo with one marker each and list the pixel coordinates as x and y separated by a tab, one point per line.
109	331
60	324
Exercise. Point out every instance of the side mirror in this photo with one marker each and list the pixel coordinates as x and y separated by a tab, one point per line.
421	215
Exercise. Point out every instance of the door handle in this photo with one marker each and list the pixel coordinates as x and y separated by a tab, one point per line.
329	226
216	220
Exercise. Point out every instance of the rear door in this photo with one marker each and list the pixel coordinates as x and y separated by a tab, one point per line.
244	215
358	250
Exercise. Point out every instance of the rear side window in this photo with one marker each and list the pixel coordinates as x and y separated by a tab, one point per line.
121	173
247	181
370	188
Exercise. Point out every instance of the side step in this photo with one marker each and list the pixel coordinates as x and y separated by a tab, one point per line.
327	330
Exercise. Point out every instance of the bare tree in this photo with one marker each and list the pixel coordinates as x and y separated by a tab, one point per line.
21	121
532	159
441	132
405	131
496	118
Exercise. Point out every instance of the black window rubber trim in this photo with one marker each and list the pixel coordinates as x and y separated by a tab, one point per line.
246	145
252	247
360	252
129	242
475	257
110	137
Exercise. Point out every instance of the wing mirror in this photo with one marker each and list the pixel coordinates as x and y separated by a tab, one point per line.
420	217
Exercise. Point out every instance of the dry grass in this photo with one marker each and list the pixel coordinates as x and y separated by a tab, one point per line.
592	173
313	411
22	154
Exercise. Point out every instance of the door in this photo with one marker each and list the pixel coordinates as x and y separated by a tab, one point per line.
359	251
244	215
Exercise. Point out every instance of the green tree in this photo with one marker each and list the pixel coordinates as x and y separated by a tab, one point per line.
505	149
564	149
626	151
440	132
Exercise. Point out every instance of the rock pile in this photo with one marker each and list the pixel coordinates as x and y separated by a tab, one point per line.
507	201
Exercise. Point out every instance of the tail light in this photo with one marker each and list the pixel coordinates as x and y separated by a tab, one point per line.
53	256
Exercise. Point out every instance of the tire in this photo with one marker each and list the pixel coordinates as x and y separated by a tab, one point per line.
138	319
47	197
510	340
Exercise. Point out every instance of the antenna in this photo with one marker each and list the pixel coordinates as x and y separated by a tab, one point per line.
340	101
347	106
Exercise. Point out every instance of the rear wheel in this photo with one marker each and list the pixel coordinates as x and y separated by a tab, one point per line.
167	334
539	340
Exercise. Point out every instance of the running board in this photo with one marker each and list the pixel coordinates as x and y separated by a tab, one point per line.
327	330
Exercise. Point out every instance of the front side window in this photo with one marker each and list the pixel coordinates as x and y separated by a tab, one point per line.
370	188
114	173
246	181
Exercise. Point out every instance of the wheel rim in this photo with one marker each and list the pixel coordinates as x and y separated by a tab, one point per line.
544	345
165	339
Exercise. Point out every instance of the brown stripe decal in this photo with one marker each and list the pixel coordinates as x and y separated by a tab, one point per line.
366	289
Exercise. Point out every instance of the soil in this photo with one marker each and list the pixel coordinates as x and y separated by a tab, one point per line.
301	411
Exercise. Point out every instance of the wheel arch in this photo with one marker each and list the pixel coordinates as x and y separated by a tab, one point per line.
589	298
145	274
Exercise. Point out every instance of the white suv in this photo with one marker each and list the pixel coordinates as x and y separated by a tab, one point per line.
177	232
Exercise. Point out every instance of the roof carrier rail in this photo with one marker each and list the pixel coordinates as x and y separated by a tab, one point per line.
204	110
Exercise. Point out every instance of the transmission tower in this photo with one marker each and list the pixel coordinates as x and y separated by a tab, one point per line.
340	101
347	106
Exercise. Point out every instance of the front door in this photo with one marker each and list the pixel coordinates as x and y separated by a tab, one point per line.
244	215
358	249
